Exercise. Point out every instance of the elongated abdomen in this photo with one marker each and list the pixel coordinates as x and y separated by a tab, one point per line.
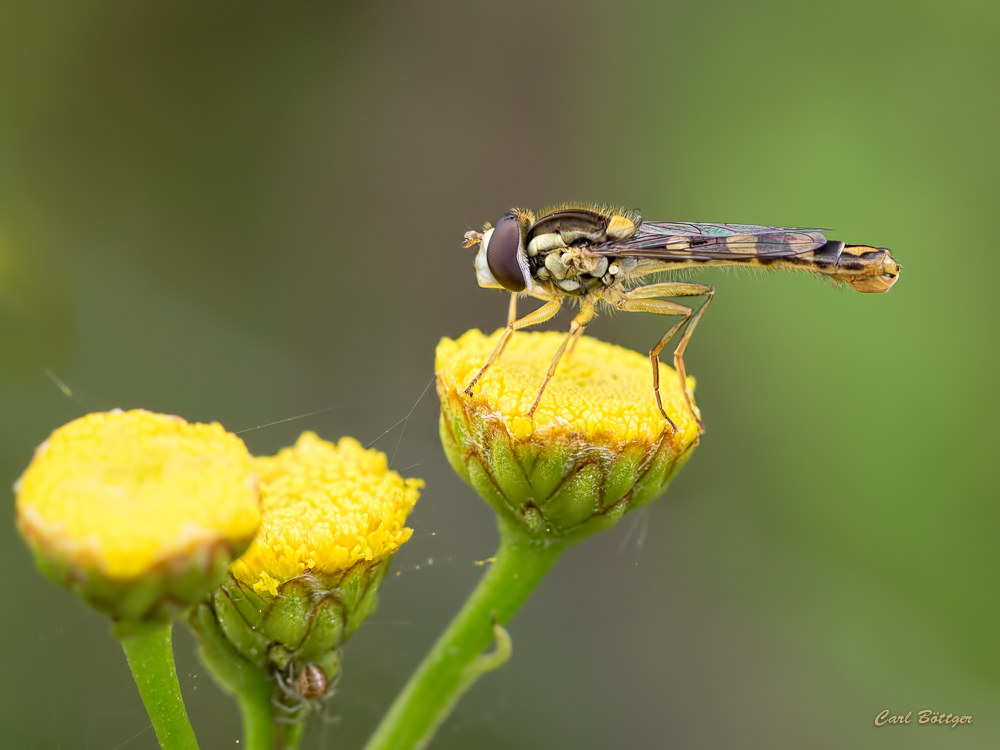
863	267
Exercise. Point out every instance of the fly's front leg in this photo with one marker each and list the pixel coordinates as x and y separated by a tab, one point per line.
576	327
543	313
639	300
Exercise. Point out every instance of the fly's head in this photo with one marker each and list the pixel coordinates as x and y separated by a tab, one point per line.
502	260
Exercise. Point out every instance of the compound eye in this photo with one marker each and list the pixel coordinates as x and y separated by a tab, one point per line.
502	257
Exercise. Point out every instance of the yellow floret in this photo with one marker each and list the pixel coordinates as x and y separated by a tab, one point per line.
119	493
326	508
602	392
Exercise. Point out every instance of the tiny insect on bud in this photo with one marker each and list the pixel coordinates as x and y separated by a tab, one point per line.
312	682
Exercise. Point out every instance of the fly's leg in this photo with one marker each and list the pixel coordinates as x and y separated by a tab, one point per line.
543	313
661	307
639	300
572	344
576	327
291	713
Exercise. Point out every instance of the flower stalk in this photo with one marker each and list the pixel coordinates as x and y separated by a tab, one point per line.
247	683
150	656
456	661
244	681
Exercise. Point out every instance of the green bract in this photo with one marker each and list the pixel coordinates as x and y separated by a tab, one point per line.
306	622
596	448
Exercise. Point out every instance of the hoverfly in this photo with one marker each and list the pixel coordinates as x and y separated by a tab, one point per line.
597	253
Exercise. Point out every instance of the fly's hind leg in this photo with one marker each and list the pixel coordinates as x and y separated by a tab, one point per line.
576	328
543	313
640	300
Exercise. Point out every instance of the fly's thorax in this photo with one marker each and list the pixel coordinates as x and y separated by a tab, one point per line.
574	270
579	224
559	237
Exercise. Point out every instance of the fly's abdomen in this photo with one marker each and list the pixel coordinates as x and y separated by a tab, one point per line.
863	267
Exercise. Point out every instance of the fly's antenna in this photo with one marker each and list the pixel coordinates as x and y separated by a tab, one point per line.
472	237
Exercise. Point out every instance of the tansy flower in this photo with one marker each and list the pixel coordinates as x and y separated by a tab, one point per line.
138	513
596	447
326	509
333	516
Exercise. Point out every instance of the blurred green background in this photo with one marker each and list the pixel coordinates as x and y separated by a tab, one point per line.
245	212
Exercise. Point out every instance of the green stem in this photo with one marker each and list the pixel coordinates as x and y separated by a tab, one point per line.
237	677
456	660
150	654
288	736
247	683
255	711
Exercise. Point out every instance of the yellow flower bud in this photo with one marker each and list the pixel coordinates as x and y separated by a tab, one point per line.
596	447
333	516
138	513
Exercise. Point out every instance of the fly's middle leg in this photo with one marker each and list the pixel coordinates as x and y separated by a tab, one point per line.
575	339
576	328
543	313
640	300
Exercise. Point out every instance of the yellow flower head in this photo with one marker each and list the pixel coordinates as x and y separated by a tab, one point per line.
326	508
120	497
596	447
602	392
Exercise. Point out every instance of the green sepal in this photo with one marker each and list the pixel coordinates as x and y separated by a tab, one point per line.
549	470
327	631
577	500
480	480
306	622
250	604
507	471
565	486
159	595
622	476
369	598
453	447
287	621
227	666
248	640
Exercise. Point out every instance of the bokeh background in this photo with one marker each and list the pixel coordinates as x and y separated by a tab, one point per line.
247	212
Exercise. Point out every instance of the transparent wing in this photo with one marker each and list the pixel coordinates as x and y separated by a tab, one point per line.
687	241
